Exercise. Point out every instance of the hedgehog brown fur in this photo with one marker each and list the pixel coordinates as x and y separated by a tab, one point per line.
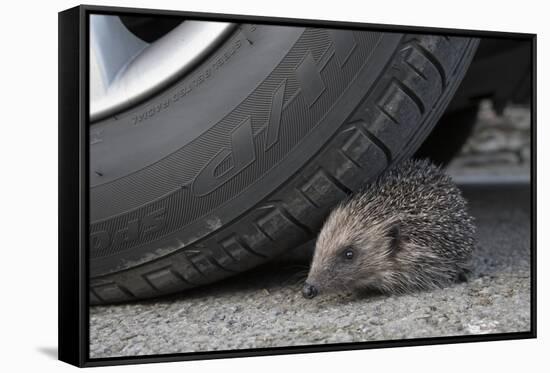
407	231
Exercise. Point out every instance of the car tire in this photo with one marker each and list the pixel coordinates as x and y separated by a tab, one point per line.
243	158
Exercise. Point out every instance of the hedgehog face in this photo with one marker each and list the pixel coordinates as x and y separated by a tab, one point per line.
352	253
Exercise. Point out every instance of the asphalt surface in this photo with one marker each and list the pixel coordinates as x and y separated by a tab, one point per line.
264	308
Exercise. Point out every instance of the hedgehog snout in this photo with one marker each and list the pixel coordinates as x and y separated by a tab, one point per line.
309	291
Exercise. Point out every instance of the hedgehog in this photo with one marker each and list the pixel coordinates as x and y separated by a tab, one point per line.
408	231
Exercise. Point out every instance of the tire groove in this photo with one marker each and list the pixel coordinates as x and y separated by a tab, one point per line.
247	247
387	114
96	295
180	276
144	277
227	252
263	232
306	197
127	292
411	93
217	264
377	142
192	264
349	158
435	62
295	220
336	182
416	70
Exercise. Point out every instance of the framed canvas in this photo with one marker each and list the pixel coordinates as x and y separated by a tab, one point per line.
235	186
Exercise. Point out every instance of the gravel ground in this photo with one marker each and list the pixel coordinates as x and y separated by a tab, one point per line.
264	308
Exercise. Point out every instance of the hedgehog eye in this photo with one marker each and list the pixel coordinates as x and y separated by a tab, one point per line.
348	253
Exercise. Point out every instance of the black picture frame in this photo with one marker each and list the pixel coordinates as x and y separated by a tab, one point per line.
73	189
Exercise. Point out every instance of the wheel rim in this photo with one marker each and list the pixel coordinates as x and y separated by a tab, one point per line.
125	70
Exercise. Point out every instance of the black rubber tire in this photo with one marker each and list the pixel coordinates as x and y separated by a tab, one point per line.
189	188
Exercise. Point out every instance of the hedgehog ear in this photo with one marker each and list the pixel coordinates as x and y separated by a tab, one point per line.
395	237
